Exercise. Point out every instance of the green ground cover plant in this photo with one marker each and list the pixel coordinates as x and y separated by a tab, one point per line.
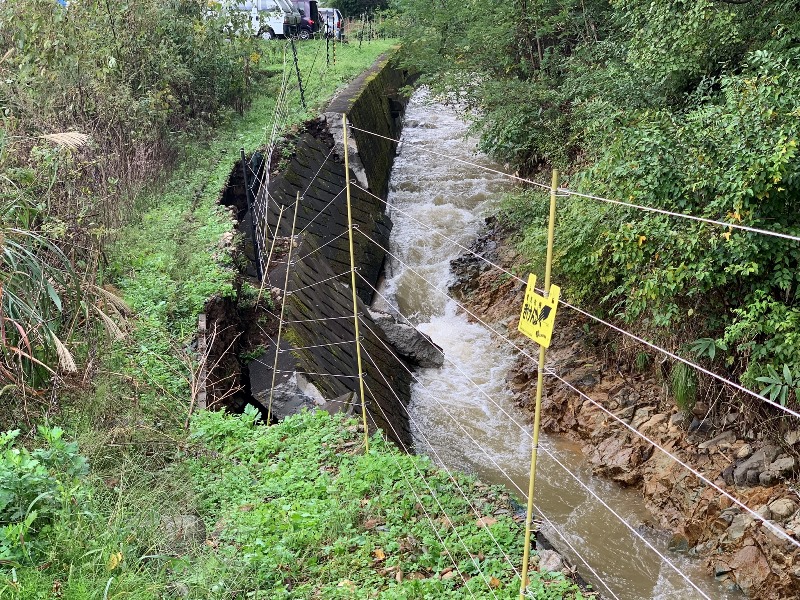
307	514
296	510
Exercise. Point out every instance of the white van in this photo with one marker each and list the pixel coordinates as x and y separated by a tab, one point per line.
270	18
332	22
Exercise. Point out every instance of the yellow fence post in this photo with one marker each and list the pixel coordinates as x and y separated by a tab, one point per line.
283	306
353	282
537	415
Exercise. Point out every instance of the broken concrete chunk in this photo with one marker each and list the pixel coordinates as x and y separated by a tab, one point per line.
412	345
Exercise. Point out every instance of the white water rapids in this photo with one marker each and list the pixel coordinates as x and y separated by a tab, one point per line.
462	414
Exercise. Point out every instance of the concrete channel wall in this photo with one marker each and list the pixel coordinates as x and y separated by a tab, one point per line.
318	342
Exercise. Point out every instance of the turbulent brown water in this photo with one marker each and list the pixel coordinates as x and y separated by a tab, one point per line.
462	414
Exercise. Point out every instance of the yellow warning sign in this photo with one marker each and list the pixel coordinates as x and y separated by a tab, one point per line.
538	313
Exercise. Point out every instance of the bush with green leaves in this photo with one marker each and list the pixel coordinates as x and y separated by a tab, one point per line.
686	106
36	487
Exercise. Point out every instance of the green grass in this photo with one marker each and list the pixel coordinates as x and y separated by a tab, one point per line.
302	512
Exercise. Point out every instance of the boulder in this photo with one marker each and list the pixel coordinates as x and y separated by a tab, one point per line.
641	416
758	462
653	422
410	343
764	512
678	419
782	508
783	466
731	418
744	452
724	437
767	478
550	561
741	523
750	568
619	458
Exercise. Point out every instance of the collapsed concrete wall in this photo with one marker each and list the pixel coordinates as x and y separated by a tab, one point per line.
316	172
318	342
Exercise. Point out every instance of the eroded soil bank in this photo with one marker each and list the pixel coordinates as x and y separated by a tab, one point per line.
718	439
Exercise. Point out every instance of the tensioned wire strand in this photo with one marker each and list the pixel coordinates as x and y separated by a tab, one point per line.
568	192
430	519
314	218
542	513
320	282
589	315
328	243
522	351
488	455
522	492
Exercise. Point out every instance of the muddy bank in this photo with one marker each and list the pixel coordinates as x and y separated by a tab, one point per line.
717	438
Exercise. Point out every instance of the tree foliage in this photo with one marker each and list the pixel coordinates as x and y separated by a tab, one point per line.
686	105
90	100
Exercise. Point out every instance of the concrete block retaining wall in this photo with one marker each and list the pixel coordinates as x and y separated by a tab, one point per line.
317	330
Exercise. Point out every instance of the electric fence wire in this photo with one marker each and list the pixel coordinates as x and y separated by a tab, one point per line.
316	320
328	345
595	318
317	374
482	449
450	475
522	351
328	243
430	519
314	218
320	282
568	192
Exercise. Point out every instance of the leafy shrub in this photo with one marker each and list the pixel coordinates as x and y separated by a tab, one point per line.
35	487
90	101
688	106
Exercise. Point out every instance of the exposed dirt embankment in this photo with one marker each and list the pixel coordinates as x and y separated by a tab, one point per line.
717	439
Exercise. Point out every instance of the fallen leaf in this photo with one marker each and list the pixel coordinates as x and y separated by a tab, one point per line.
485	522
379	554
398	577
113	561
371	523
